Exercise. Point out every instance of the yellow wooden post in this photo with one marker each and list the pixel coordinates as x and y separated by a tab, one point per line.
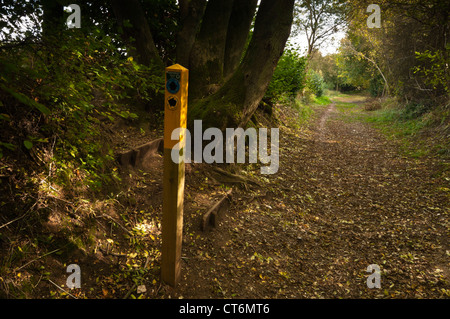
175	113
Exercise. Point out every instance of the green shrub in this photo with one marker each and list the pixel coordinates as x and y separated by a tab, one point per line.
288	77
414	110
63	91
433	66
376	86
315	82
307	96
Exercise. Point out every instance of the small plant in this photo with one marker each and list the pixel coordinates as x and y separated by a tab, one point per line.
315	82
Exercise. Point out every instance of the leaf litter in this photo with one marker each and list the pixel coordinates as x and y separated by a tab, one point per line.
343	198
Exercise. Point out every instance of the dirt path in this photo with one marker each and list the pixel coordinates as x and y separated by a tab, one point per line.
343	199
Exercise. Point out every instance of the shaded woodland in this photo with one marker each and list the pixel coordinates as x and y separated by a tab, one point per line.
78	104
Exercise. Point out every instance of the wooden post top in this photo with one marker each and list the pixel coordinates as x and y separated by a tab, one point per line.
175	106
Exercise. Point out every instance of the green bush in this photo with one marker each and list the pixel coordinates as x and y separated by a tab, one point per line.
433	66
315	82
414	110
63	91
307	96
376	86
288	77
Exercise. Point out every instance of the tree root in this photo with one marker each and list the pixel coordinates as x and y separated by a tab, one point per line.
223	176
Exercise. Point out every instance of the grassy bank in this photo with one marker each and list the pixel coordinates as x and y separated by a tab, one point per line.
420	130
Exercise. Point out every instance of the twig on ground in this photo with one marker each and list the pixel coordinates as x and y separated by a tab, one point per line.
57	286
115	221
23	266
20	217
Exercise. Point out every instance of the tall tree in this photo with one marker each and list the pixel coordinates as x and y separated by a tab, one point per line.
237	99
53	17
212	44
237	34
225	86
208	51
136	31
318	19
191	13
409	29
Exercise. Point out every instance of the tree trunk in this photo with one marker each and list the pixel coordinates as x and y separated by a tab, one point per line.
144	49
53	19
235	102
191	13
238	30
208	50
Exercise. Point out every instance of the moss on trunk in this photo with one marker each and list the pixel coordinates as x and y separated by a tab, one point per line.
222	109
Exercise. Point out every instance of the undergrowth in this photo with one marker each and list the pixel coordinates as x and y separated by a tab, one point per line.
56	97
59	99
420	129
